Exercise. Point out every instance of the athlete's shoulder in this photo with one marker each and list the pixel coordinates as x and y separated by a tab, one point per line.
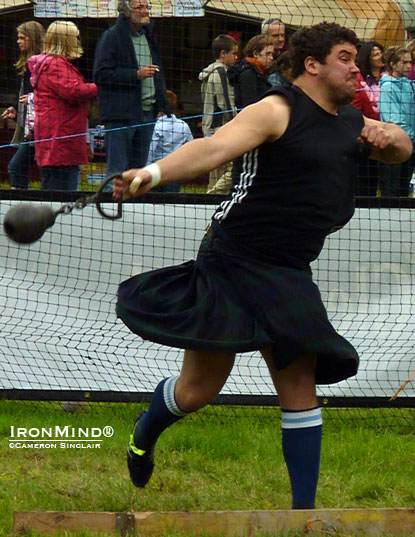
351	110
351	113
272	113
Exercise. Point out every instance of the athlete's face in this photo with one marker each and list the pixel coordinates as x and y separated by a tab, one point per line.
339	73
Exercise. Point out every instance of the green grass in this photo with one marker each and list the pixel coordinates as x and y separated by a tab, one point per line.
84	186
213	462
35	185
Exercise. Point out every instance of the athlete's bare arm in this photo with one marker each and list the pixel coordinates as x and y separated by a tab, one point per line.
390	143
261	122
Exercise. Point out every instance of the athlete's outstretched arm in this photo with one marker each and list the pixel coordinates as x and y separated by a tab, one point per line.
264	121
390	143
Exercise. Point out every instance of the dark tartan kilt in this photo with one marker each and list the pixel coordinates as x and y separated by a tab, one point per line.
225	302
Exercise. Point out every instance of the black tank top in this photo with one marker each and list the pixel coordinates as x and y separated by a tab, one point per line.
293	192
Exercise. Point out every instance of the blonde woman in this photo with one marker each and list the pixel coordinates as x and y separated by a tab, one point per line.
61	105
30	37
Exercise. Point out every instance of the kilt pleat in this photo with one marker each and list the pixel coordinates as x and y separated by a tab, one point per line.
226	302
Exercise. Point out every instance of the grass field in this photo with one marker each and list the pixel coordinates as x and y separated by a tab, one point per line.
84	186
214	461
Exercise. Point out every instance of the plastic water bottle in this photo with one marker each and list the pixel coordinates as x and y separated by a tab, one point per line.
99	140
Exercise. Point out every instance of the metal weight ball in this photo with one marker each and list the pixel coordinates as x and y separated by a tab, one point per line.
26	223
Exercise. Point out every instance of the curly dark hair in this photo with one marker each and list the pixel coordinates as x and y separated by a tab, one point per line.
317	41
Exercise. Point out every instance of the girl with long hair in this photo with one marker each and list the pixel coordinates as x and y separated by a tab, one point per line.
371	64
30	36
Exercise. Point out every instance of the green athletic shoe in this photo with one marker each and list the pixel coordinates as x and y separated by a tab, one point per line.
140	462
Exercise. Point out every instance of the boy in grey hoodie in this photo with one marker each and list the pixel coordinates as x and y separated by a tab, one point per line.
218	99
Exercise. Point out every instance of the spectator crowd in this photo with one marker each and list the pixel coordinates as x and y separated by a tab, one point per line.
139	113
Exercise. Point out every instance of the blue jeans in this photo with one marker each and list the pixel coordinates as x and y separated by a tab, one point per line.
395	178
20	164
171	188
128	147
60	177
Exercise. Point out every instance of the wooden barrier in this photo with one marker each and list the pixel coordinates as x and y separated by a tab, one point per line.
370	522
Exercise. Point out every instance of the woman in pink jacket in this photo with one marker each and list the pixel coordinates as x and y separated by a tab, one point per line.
61	106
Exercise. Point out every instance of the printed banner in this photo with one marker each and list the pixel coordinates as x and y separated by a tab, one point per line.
75	8
188	8
108	8
176	8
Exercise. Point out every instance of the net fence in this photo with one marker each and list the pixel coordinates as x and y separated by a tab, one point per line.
60	338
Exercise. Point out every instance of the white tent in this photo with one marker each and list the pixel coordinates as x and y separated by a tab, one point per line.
386	21
383	20
12	5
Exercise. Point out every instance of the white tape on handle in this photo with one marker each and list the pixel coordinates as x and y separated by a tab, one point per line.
135	184
155	173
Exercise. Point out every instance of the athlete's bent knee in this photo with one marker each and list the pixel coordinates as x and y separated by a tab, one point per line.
192	397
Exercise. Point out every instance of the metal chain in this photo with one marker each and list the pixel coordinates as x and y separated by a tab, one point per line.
80	203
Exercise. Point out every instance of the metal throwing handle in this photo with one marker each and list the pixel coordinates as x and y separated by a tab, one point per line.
98	201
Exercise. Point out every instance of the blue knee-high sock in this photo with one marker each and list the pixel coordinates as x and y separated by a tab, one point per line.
162	413
301	445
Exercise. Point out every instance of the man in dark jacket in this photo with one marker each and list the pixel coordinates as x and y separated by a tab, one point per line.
131	86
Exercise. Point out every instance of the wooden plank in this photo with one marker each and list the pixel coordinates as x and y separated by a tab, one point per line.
51	521
371	522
